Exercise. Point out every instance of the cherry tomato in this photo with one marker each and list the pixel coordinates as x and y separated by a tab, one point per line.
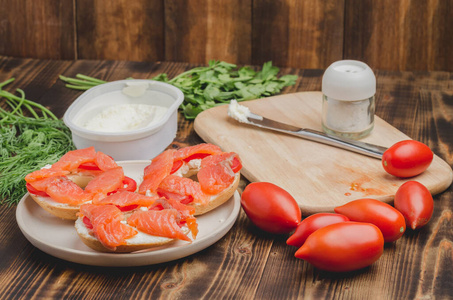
129	184
343	247
87	222
407	158
415	202
196	156
89	166
127	207
311	224
236	165
176	165
270	207
387	218
34	191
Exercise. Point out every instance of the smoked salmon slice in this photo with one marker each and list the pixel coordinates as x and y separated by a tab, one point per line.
162	223
62	190
186	212
109	181
216	172
104	162
73	159
107	225
154	173
127	199
44	173
183	187
205	148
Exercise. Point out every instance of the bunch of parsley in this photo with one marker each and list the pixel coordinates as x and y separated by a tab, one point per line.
215	84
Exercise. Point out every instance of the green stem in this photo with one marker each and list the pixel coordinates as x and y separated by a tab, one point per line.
27	103
6	82
88	78
77	87
78	81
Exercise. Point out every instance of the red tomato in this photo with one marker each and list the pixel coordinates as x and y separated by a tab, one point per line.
196	156
311	224
129	184
34	191
176	165
387	218
407	158
415	202
87	223
236	166
89	166
343	247
127	207
270	207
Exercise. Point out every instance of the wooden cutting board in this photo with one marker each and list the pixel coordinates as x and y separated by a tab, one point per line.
318	176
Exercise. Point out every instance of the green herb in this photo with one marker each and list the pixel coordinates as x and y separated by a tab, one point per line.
27	143
216	84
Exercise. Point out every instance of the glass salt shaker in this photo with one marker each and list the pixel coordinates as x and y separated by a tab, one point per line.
348	88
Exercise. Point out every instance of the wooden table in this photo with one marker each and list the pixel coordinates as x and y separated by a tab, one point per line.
246	263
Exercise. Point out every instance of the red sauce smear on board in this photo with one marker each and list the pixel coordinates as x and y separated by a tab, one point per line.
357	186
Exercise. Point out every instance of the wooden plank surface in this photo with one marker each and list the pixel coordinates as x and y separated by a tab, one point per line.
399	35
200	30
246	263
38	29
303	34
388	34
318	176
120	29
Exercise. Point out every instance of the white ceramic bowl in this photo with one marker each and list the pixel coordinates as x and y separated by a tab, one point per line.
137	144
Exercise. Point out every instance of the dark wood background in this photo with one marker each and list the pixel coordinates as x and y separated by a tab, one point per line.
387	34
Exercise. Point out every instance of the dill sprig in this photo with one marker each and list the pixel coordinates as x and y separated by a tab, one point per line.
31	136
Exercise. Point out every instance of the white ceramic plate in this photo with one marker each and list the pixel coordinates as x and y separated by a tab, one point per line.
58	237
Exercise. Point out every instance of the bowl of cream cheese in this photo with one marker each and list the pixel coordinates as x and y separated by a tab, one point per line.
131	119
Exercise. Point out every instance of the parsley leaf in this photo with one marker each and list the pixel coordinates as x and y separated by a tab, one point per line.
215	84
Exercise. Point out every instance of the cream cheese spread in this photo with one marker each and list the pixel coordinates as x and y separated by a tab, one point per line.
125	117
238	112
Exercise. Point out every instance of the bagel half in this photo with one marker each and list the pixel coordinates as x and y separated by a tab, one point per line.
63	210
60	210
218	199
140	241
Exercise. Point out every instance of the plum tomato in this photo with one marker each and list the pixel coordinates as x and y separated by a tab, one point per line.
415	202
387	218
343	247
270	207
407	158
312	223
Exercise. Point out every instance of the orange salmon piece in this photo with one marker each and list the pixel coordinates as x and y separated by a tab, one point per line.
104	162
184	187
215	173
107	226
158	223
44	173
62	190
126	198
154	173
186	212
73	159
109	181
203	148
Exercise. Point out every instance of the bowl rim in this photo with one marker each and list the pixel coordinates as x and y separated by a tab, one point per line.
118	85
